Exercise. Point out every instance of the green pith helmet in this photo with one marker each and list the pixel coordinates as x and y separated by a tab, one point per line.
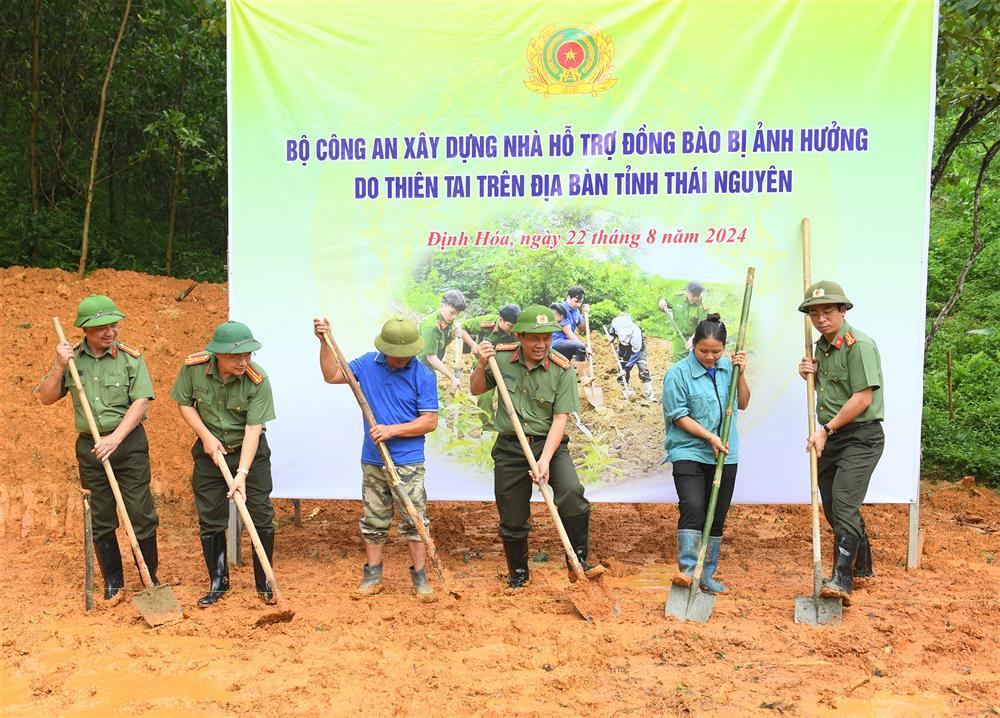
824	292
232	338
536	319
400	338
97	310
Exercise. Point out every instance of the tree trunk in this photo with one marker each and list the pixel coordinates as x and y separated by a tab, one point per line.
967	122
978	243
88	205
175	185
33	128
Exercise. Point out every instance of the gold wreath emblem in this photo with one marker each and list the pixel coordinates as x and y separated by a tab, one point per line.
545	85
541	319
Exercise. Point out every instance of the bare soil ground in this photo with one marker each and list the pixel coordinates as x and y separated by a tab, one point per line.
913	643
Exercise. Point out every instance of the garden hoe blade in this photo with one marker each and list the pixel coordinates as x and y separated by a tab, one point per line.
818	610
158	605
690	603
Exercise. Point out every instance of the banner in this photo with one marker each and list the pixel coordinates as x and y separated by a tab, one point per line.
381	154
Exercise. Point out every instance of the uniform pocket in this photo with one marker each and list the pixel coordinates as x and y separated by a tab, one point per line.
546	397
116	389
237	403
836	376
201	395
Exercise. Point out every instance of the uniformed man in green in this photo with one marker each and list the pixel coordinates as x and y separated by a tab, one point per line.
849	442
496	329
687	310
542	387
226	399
437	331
118	388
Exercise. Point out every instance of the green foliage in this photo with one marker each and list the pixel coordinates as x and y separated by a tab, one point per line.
460	433
594	461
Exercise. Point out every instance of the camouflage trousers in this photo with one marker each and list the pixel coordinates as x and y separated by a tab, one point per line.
378	500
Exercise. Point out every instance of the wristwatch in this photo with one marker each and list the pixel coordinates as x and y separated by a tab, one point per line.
828	430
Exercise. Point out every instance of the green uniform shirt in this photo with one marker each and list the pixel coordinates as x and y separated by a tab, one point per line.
437	333
488	328
537	394
687	316
225	407
111	381
848	364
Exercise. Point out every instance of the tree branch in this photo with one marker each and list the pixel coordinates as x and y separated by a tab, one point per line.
978	243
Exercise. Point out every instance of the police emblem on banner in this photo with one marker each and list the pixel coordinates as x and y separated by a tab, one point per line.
570	61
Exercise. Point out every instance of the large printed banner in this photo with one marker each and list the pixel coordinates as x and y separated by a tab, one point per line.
383	153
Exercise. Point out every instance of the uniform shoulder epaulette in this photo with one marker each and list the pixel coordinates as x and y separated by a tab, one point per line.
849	338
560	360
253	375
488	324
129	349
506	347
197	358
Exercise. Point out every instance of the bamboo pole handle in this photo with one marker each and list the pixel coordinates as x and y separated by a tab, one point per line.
241	506
543	487
147	581
727	422
811	412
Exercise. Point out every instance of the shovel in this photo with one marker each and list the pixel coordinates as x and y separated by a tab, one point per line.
621	370
390	467
814	610
690	603
283	614
594	393
157	604
588	595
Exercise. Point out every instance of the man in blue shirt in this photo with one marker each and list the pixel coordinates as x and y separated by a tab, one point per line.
402	394
567	340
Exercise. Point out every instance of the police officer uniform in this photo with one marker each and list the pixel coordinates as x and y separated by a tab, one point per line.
847	364
227	407
487	328
112	380
687	317
537	394
437	334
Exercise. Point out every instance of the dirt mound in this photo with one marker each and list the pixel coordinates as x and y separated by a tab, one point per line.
913	643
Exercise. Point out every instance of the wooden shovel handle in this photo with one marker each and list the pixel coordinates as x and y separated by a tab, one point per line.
544	488
147	580
241	505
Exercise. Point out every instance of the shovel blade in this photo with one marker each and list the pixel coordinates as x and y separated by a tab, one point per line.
158	606
818	611
594	394
689	604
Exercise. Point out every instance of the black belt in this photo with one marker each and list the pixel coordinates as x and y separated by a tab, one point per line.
856	425
90	437
531	439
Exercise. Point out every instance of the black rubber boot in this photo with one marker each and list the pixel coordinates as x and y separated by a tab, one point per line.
150	555
863	566
578	531
841	584
213	546
516	551
109	558
259	577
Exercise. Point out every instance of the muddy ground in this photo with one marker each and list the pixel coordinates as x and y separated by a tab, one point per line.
913	643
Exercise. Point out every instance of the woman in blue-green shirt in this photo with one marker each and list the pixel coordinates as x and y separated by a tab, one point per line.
694	397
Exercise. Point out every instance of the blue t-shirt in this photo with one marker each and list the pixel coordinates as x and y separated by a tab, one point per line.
395	396
574	317
689	390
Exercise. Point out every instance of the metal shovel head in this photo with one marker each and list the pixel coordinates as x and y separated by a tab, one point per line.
689	603
158	606
818	610
594	394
